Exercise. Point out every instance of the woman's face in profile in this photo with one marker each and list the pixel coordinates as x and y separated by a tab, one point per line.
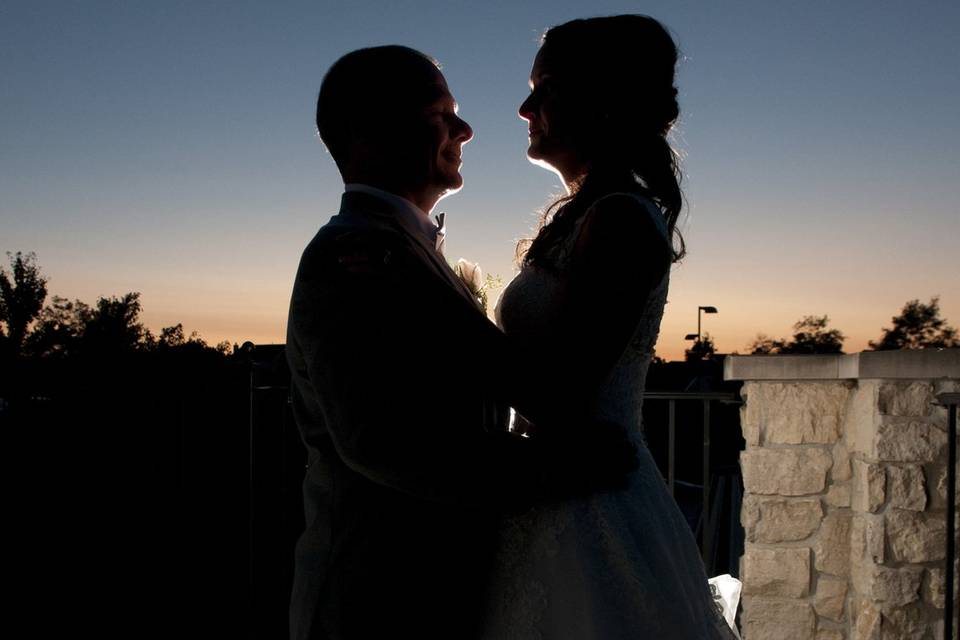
554	124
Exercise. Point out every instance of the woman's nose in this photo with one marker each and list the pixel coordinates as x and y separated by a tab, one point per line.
527	108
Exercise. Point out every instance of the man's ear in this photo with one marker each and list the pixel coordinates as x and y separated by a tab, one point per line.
365	157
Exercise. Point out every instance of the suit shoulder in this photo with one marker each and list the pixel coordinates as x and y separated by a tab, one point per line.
347	250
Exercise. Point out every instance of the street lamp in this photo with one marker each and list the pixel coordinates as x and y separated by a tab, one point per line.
700	312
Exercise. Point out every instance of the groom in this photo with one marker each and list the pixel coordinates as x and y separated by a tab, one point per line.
400	382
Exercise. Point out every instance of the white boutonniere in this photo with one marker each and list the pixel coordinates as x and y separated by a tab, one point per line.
472	276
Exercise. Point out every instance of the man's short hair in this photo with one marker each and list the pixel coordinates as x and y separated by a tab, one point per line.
363	87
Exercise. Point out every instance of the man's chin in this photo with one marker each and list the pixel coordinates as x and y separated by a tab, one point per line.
451	189
454	183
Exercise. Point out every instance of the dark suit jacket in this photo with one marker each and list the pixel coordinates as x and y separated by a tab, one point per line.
395	392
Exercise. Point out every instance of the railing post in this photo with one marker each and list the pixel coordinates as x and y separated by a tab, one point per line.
672	446
250	498
705	526
950	401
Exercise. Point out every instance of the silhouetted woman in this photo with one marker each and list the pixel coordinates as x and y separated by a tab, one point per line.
589	298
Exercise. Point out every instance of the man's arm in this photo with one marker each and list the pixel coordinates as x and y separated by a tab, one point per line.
388	349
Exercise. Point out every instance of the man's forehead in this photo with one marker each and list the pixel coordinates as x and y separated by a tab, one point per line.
429	92
418	84
436	90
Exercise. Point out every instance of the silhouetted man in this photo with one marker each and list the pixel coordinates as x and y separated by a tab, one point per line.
400	382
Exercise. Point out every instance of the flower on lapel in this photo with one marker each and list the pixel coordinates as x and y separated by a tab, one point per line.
471	274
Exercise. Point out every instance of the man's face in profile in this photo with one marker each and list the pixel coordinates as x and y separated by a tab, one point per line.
425	137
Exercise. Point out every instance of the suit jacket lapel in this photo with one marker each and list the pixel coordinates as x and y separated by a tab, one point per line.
356	204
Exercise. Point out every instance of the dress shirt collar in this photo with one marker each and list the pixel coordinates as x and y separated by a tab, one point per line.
411	215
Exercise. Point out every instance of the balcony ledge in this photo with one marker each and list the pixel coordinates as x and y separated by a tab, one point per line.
896	365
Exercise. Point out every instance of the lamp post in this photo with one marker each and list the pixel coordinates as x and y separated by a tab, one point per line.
700	312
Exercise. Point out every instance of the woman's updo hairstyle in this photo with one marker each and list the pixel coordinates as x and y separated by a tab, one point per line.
619	70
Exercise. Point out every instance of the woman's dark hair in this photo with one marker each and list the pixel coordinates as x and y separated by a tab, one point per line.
620	72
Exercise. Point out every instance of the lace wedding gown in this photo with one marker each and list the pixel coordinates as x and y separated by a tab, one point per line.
612	565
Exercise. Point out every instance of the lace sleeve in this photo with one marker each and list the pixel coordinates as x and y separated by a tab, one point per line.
619	256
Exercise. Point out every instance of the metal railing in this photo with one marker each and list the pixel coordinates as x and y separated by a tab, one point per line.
277	460
711	507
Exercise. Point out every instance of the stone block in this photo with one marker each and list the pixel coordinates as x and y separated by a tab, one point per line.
750	413
781	572
935	583
838	495
803	412
908	364
785	471
860	425
830	634
910	441
840	472
832	547
866	621
771	520
866	538
869	486
861	575
863	564
937	475
906	487
939	499
946	385
934	587
765	618
830	597
915	537
895	586
913	399
909	622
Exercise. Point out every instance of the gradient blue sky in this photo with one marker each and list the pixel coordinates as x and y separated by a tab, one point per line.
168	147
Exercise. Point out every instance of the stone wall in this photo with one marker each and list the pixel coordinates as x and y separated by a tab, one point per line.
844	494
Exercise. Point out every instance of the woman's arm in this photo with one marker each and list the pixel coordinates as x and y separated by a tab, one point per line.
619	258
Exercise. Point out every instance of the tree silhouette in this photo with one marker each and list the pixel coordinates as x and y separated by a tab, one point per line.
701	349
171	337
110	327
58	329
22	294
810	335
765	345
919	326
114	326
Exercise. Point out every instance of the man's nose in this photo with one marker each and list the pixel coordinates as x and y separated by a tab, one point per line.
464	130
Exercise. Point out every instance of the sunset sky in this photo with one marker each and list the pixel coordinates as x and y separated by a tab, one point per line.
168	147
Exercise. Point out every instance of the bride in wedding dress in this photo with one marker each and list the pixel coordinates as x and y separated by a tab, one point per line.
589	298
